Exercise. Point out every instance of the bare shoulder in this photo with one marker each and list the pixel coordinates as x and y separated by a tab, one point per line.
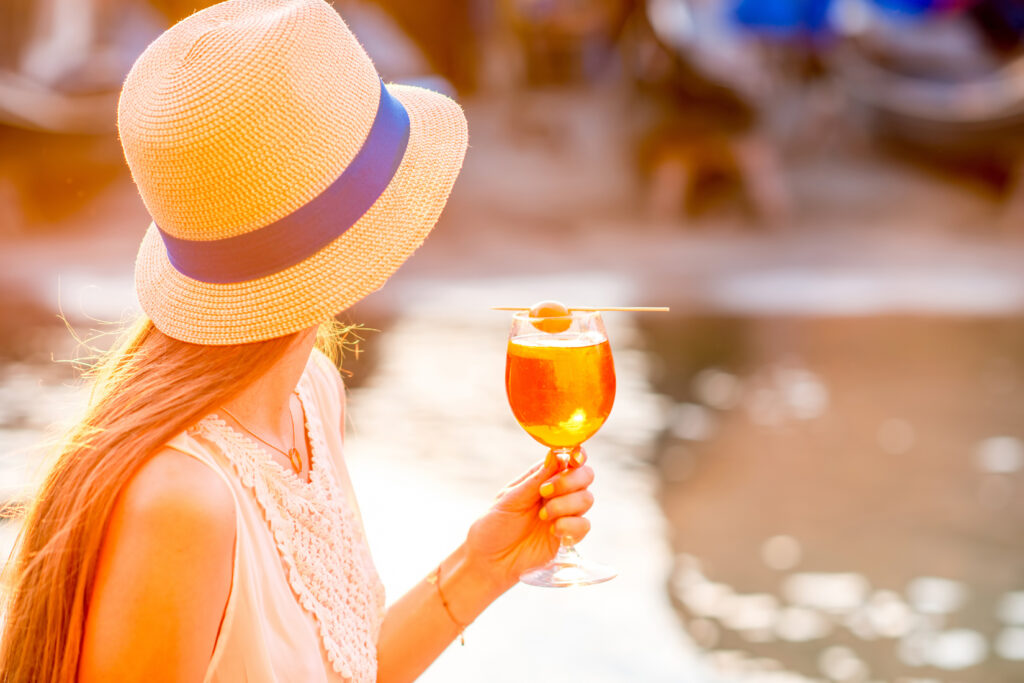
164	575
175	485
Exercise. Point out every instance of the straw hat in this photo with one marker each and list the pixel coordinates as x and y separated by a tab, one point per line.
285	181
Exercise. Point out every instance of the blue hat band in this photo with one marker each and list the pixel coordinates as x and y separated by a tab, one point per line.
302	233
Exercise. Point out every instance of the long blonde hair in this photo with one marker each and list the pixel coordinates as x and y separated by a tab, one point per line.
149	388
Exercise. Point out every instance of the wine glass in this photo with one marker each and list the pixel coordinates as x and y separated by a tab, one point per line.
560	382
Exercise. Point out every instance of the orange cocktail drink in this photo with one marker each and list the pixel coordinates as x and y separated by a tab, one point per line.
561	386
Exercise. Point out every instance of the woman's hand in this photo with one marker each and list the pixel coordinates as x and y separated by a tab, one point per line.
523	528
520	531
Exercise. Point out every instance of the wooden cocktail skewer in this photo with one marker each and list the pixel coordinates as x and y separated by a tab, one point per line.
640	309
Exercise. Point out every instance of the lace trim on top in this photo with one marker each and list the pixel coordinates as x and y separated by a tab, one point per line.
319	539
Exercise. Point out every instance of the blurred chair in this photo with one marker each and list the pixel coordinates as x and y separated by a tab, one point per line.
564	41
706	88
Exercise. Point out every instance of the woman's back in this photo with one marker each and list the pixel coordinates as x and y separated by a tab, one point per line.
304	602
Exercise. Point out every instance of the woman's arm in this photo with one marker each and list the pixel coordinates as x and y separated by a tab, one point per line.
519	532
163	577
417	628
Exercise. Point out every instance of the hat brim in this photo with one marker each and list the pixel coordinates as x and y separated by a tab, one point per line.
352	266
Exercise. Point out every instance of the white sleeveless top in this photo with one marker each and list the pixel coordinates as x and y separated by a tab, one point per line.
306	603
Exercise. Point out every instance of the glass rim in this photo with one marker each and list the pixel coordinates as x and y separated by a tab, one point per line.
573	315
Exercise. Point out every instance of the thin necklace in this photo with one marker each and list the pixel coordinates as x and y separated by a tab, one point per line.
293	453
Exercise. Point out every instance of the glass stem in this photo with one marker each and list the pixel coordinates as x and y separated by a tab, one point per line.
567	545
567	554
564	456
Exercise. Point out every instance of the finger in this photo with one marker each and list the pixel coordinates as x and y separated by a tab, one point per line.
567	482
525	491
573	504
578	457
550	462
525	475
571	529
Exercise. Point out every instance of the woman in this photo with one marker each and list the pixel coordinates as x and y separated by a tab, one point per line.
199	524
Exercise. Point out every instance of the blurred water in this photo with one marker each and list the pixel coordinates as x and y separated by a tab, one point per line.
786	499
856	513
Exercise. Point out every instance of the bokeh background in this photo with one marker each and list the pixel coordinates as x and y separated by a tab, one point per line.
813	471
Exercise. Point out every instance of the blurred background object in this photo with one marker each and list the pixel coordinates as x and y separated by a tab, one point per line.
815	466
706	88
564	41
63	61
943	79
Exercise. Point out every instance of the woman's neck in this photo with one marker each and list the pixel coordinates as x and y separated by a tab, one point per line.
263	407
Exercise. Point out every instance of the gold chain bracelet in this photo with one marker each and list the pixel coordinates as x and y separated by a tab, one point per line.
434	577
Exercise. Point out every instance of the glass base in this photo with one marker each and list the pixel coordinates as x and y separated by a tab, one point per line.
568	569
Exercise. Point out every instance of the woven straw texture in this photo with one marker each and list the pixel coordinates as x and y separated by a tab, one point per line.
241	114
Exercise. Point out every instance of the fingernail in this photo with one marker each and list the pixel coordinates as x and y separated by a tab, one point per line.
547	489
544	513
577	458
